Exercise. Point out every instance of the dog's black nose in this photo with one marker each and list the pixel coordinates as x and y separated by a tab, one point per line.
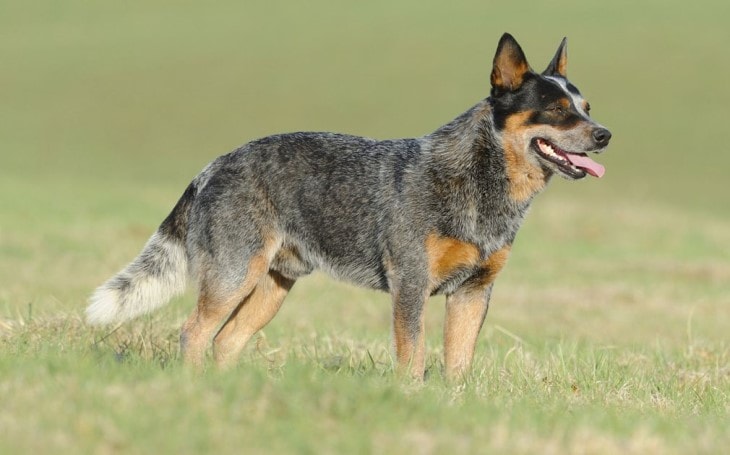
601	136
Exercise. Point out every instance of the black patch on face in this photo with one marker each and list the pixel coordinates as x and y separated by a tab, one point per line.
544	98
572	88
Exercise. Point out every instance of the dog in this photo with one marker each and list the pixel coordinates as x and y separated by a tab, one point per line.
413	217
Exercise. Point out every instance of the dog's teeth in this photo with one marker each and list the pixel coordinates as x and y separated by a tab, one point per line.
547	149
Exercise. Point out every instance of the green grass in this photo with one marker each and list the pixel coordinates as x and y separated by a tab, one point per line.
608	328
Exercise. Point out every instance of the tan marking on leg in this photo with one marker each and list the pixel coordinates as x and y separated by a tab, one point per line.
257	310
465	313
214	309
446	254
410	347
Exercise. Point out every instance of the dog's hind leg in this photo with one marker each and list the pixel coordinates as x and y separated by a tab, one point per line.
252	315
216	302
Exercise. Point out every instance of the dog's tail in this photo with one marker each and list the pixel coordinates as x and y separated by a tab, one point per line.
159	272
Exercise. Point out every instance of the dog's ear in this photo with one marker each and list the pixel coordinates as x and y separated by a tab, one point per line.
559	65
510	65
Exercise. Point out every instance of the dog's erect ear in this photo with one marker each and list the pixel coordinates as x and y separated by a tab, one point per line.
559	65
510	65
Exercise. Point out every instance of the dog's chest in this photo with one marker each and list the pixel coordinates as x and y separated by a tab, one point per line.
477	255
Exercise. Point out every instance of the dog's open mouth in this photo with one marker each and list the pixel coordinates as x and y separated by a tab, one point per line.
575	165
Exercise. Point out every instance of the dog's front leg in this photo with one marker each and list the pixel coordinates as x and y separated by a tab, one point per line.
465	313
408	330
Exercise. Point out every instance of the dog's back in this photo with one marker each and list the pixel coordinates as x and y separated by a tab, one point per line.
323	198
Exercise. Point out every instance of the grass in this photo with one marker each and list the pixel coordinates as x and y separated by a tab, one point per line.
608	328
338	395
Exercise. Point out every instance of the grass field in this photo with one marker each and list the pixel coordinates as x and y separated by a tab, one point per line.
608	329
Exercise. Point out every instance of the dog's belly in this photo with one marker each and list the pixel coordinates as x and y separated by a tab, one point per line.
289	263
294	262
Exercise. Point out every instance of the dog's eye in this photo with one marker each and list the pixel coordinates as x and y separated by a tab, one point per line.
557	109
588	108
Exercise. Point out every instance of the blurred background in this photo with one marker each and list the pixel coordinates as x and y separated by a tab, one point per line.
608	328
108	109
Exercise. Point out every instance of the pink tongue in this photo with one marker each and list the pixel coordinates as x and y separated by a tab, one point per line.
587	164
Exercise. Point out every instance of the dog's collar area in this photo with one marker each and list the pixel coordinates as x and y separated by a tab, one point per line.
575	165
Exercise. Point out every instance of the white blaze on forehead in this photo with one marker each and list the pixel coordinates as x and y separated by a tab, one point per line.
577	99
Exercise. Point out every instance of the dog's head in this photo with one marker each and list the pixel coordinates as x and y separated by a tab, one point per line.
543	119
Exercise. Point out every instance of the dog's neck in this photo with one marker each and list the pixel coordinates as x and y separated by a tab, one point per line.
471	148
454	144
467	158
